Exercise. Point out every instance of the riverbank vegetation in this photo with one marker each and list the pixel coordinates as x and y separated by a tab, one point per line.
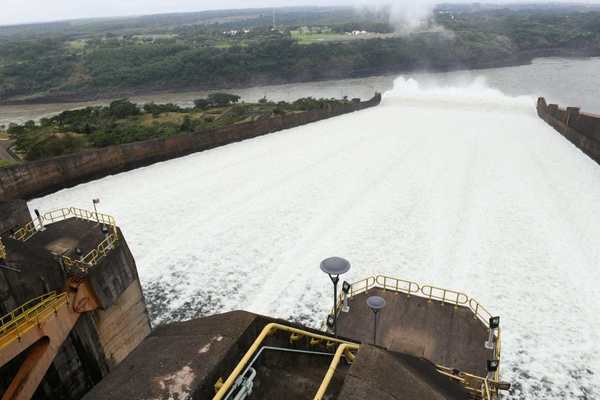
66	61
124	122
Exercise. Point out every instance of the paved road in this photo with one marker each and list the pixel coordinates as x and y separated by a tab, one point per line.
4	154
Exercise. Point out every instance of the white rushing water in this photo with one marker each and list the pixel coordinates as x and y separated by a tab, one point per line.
463	188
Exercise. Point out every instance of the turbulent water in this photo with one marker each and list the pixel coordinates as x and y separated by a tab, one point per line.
461	187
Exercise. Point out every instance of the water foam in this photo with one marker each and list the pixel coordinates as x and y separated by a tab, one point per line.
458	186
474	93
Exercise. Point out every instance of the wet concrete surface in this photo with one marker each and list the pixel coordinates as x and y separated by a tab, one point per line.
442	333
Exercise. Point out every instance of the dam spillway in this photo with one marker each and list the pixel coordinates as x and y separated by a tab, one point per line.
462	187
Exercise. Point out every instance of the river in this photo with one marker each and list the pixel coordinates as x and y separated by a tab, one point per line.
573	82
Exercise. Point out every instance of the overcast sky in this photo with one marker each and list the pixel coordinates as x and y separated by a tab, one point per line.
22	11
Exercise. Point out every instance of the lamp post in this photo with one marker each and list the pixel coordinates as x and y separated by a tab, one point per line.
334	267
96	201
375	303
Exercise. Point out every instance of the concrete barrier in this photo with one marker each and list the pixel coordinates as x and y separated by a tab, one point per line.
581	129
28	180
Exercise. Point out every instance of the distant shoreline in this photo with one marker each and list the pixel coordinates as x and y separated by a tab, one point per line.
519	59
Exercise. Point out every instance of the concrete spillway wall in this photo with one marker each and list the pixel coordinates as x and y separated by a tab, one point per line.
101	339
36	178
581	129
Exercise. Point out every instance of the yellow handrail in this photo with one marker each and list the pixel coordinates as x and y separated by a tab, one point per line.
398	285
341	350
94	256
444	295
2	250
362	286
30	229
447	296
28	315
267	330
23	307
484	387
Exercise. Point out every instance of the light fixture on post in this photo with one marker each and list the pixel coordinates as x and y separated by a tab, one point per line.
334	267
40	220
96	201
492	365
494	323
376	304
346	290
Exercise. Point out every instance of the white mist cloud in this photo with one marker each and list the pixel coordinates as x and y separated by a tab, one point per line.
406	14
409	15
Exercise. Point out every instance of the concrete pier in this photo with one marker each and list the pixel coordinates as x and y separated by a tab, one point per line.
100	339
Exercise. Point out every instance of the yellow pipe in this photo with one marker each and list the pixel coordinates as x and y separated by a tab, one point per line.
333	366
267	330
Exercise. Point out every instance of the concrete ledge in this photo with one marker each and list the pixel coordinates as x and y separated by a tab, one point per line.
581	129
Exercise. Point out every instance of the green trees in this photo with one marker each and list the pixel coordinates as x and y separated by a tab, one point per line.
123	108
123	122
202	57
216	100
222	99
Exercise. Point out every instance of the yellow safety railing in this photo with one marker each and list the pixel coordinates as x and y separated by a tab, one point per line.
94	256
397	285
30	229
61	214
27	231
14	324
362	286
2	250
271	328
478	386
480	311
445	296
343	349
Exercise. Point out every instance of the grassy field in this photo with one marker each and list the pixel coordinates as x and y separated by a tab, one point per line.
311	38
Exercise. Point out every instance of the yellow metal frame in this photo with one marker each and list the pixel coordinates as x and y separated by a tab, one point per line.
29	315
272	328
93	257
343	349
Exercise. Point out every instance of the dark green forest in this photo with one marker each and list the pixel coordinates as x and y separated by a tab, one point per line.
82	60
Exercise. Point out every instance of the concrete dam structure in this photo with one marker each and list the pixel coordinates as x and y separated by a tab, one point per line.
71	301
86	333
436	188
581	129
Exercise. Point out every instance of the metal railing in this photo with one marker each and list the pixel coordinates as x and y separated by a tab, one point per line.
344	347
14	324
36	225
478	386
445	296
94	256
61	214
481	387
